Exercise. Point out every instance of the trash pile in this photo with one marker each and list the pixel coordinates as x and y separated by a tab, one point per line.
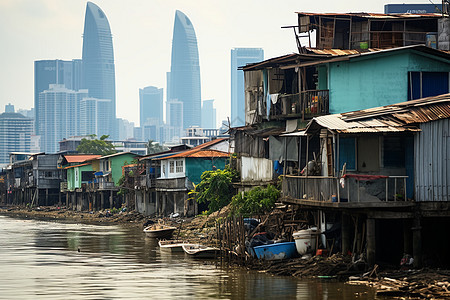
336	266
420	284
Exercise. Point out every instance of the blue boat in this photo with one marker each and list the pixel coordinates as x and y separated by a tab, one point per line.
276	251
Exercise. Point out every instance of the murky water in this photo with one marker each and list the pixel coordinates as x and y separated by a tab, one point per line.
40	260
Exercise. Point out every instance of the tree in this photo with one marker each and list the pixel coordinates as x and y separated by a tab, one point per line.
153	147
216	188
96	146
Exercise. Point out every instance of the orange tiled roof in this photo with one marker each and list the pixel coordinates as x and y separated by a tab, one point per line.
80	158
198	153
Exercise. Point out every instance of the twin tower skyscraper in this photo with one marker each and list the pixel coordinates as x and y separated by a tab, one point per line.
94	77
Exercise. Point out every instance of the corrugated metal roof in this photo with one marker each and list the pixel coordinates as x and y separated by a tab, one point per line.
340	52
373	15
80	158
77	166
197	153
392	118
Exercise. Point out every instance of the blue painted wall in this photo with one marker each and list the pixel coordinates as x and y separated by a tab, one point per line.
376	79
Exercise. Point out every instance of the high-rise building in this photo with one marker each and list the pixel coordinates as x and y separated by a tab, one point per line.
56	71
94	116
151	106
15	133
125	129
98	61
240	57
208	114
9	108
59	115
184	77
174	118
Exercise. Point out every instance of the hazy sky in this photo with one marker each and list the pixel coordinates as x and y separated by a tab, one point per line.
142	39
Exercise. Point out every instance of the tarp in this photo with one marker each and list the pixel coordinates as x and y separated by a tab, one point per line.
364	177
278	150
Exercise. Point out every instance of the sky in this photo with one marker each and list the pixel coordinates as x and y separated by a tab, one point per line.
142	39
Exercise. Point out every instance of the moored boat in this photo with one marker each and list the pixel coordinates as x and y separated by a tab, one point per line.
200	251
171	245
159	231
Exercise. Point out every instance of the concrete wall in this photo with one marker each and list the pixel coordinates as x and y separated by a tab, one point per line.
376	79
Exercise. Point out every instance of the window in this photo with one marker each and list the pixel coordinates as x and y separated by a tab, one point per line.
427	84
164	169
179	166
172	167
394	151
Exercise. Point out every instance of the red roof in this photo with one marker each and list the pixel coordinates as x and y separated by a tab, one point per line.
208	144
80	158
198	153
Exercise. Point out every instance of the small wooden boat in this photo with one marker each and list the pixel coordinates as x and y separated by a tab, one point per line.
159	231
171	245
200	251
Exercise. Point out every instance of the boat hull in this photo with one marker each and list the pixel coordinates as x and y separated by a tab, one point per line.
163	233
200	251
276	251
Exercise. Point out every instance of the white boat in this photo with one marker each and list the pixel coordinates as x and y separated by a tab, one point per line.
171	245
200	251
159	231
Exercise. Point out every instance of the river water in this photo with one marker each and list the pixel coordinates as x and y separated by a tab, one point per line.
54	260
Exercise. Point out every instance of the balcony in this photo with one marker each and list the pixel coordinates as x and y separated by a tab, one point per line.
352	188
307	104
107	185
171	184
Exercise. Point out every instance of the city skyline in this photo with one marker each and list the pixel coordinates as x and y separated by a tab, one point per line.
50	29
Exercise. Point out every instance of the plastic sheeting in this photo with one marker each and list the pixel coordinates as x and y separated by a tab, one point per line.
278	150
256	169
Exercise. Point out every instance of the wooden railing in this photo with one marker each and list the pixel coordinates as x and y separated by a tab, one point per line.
306	104
318	188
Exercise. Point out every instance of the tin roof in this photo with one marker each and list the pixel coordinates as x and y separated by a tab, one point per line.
391	118
198	153
80	158
373	15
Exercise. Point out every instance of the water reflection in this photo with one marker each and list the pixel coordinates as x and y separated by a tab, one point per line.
48	260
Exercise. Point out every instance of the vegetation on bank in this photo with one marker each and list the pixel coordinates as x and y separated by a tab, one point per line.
96	146
216	189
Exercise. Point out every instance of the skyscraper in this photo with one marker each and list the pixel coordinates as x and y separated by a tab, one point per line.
56	71
208	114
240	57
15	133
59	116
151	106
184	83
98	61
94	116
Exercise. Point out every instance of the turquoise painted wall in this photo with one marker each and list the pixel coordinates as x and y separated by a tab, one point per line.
376	80
196	166
71	183
117	163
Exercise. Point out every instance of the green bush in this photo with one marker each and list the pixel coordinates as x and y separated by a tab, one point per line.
215	188
256	201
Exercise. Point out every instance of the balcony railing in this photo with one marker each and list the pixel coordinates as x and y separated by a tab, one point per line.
306	104
63	186
106	185
352	188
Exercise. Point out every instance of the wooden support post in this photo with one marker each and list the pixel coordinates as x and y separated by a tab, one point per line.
417	242
345	234
111	199
46	197
370	235
407	241
102	200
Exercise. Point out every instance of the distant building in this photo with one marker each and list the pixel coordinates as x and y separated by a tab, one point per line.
9	108
59	115
174	119
150	105
29	113
184	77
125	128
240	57
95	116
15	135
208	114
56	71
98	62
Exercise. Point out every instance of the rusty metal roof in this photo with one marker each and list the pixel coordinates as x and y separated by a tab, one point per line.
391	118
373	15
80	158
340	52
197	153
